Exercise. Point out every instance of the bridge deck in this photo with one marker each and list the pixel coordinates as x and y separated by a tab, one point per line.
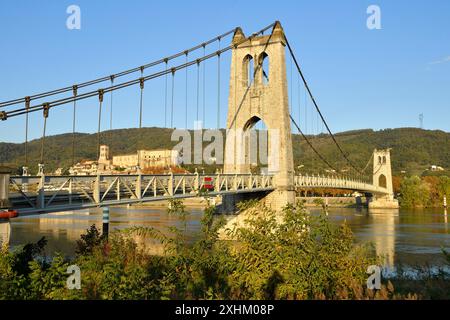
311	182
41	194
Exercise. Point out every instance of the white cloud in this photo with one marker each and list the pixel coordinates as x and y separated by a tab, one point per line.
444	60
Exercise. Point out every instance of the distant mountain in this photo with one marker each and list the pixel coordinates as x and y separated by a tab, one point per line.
413	149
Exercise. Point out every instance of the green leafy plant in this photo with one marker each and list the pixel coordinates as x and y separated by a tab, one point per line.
277	255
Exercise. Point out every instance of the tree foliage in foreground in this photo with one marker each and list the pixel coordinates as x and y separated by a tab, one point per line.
301	257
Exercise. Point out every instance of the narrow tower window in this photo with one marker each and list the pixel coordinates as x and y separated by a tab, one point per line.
264	60
247	70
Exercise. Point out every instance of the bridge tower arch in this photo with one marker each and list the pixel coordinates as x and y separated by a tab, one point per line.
261	93
382	177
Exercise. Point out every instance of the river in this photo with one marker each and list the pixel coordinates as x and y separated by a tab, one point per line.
408	237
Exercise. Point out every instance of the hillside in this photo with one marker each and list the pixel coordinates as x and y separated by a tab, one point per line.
413	150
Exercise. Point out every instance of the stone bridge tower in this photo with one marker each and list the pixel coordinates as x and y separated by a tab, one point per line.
382	177
259	92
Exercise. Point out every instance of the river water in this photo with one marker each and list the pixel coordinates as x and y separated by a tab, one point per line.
407	237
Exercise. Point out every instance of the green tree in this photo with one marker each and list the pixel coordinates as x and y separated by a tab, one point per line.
88	241
414	193
444	187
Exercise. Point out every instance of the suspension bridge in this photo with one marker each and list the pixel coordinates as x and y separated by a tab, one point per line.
259	91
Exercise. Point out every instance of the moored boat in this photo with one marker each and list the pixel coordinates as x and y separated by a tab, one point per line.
7	214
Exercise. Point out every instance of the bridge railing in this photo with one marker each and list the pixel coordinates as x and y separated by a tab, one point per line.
40	193
46	193
333	182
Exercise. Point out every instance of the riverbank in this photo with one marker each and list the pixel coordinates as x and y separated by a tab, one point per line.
334	202
202	202
195	202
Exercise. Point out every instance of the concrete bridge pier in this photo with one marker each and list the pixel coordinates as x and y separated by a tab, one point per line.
5	226
363	200
4	187
383	202
230	201
279	198
5	232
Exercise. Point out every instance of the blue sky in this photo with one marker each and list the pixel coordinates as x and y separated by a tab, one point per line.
361	78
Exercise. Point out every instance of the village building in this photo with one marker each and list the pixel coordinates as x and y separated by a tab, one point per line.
84	168
148	159
160	158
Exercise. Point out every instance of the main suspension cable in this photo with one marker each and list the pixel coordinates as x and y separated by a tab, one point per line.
317	107
116	75
312	147
5	115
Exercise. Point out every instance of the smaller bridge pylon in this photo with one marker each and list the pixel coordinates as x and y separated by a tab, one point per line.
382	177
5	232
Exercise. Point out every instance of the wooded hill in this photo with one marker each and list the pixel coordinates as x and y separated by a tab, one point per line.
413	149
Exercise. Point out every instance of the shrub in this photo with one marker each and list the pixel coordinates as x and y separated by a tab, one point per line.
287	255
